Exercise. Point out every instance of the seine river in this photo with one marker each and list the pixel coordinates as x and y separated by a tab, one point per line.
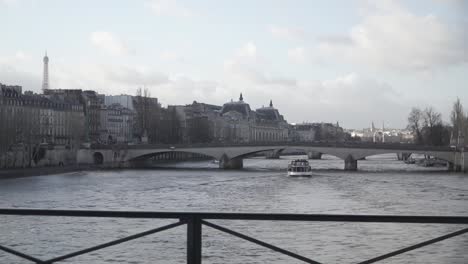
382	185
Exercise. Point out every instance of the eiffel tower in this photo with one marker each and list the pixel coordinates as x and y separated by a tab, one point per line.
45	77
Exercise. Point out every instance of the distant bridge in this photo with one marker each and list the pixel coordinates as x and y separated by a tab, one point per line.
231	156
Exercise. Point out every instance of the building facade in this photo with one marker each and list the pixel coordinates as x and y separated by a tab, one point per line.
30	119
234	122
117	124
309	132
123	99
243	125
147	124
90	105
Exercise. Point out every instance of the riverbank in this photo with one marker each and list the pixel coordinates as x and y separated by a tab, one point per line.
50	170
39	171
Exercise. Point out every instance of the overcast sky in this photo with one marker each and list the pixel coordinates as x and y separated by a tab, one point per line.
352	61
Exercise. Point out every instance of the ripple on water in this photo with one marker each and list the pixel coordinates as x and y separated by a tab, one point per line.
382	186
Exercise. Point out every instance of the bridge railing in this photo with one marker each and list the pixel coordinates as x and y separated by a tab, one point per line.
195	221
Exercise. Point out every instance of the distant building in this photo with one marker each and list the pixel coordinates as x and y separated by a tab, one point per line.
91	105
138	119
147	119
199	122
124	100
304	132
117	124
33	119
383	135
269	125
233	122
238	123
307	132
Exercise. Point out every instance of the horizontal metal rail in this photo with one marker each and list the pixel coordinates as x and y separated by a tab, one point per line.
245	216
196	220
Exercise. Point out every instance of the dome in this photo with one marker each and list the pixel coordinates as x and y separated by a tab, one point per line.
239	106
269	113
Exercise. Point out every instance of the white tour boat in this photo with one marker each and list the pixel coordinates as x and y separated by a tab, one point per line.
299	168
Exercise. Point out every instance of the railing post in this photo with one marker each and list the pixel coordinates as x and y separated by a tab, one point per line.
194	240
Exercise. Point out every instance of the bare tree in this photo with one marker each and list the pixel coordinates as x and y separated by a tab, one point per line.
457	118
431	117
147	115
142	112
434	132
415	123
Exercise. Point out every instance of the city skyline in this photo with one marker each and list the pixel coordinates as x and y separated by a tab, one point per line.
343	70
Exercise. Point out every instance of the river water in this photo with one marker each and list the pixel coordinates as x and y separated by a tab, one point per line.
382	185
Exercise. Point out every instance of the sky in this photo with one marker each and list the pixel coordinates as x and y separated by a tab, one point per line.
352	62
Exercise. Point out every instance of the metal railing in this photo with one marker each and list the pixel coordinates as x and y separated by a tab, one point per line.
195	221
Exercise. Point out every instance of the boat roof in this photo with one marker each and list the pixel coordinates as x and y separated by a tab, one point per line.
299	162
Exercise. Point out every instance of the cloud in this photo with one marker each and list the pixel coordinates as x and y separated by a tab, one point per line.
134	76
109	43
246	56
8	2
452	2
391	37
298	55
184	90
351	99
12	71
104	78
169	8
290	33
248	65
337	40
250	76
168	55
10	75
20	55
245	61
249	50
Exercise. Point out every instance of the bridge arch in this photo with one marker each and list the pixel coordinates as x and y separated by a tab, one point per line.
247	154
161	153
98	158
442	156
327	151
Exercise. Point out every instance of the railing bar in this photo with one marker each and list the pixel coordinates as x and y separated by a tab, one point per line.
115	242
259	242
21	255
244	216
413	247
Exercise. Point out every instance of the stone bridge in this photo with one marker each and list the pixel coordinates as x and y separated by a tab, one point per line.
231	156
